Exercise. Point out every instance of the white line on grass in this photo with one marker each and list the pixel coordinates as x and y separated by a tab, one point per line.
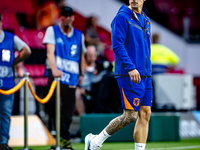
185	147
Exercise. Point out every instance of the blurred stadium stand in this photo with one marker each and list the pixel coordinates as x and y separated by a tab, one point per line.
22	17
14	6
171	14
18	19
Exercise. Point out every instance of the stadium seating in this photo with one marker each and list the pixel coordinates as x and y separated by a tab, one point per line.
23	6
37	73
170	14
10	21
32	37
17	18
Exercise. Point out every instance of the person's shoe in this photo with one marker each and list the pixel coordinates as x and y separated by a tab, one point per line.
5	147
89	145
66	145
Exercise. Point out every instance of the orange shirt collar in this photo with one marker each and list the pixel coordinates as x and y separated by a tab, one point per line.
133	12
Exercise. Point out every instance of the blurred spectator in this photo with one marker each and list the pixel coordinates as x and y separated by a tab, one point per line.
92	37
65	53
105	94
8	44
162	58
83	92
47	15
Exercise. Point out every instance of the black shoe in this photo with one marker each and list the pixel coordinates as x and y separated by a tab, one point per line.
66	145
77	134
5	147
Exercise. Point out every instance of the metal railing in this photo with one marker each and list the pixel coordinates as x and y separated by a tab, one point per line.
25	81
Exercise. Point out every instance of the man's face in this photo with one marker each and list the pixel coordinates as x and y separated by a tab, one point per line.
67	20
91	55
136	3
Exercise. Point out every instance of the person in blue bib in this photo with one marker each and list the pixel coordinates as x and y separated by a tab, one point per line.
65	54
130	32
9	43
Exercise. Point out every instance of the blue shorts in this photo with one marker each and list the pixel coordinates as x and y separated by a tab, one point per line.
135	95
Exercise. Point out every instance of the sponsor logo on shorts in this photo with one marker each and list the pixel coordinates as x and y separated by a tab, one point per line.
136	102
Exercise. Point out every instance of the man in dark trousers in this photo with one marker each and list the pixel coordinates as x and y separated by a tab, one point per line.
65	53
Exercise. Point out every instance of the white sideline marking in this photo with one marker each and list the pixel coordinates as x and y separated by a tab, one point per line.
185	147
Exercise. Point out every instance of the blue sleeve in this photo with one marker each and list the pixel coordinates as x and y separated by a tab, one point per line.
119	32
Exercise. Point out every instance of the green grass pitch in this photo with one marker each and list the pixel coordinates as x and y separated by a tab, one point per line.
186	144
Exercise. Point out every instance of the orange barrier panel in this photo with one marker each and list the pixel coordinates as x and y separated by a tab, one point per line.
14	89
46	99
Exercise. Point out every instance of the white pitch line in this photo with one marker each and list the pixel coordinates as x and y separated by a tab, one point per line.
185	147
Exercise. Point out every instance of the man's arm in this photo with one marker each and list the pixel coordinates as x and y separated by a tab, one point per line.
81	68
49	41
119	33
23	54
82	60
23	48
52	61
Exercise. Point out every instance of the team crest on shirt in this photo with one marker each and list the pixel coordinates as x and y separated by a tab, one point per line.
74	50
136	101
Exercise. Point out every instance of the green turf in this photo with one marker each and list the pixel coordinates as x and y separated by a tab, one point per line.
34	148
187	144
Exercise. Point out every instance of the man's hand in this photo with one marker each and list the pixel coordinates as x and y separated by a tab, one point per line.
20	69
135	76
57	73
82	91
80	80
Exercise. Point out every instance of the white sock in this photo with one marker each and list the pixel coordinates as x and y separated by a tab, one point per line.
99	139
140	146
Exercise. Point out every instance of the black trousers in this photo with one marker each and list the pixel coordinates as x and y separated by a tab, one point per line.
67	107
